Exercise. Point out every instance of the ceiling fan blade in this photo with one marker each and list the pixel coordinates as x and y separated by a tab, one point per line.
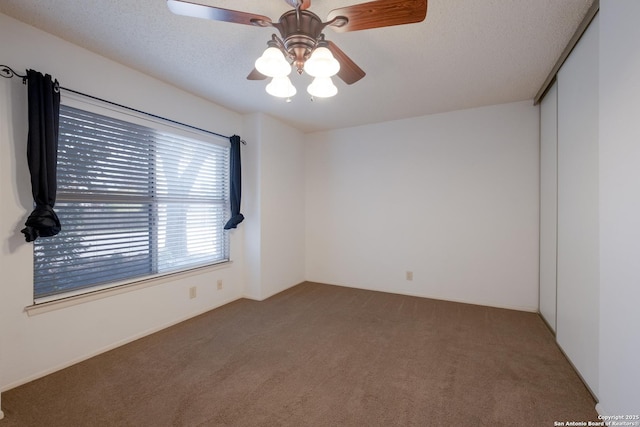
305	4
256	75
380	13
349	71
180	7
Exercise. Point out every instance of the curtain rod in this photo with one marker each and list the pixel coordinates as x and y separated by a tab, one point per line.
7	72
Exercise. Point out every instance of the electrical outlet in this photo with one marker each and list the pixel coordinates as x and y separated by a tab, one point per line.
409	275
192	292
219	284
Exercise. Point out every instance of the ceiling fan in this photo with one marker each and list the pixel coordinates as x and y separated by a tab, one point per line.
302	43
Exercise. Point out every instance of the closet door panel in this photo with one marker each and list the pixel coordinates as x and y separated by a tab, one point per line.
578	219
548	204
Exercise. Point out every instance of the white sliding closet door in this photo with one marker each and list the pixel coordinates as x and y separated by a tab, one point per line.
548	204
578	219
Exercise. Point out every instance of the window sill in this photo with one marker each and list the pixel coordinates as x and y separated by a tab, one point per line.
68	301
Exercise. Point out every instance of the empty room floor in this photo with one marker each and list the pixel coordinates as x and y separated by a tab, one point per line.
320	355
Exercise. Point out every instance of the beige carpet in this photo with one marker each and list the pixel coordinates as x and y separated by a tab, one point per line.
320	355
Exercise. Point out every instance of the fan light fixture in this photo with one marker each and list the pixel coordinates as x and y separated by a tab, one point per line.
281	87
302	44
322	87
272	63
321	64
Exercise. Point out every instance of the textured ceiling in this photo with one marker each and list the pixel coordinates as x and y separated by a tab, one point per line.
467	53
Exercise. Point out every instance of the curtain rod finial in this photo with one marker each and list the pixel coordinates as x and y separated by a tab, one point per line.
7	72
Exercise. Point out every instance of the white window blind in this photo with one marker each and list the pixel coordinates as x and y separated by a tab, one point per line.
134	201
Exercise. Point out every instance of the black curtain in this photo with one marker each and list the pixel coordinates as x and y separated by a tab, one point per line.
42	154
235	174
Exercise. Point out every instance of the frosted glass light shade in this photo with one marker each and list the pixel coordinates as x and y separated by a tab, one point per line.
272	63
281	87
322	87
321	63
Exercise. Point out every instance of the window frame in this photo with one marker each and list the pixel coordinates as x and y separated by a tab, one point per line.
97	106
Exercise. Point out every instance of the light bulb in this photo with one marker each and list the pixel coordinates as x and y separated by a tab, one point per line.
321	63
322	87
272	63
281	87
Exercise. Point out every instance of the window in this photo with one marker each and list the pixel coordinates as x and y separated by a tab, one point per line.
134	200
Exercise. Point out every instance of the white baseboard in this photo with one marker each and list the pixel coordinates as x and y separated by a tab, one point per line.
528	309
114	345
264	297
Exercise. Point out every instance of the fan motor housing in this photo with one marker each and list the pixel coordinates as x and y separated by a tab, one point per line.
300	31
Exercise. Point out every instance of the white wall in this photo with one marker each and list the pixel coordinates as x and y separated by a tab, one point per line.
451	197
619	349
578	219
33	346
283	206
548	204
274	190
251	207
